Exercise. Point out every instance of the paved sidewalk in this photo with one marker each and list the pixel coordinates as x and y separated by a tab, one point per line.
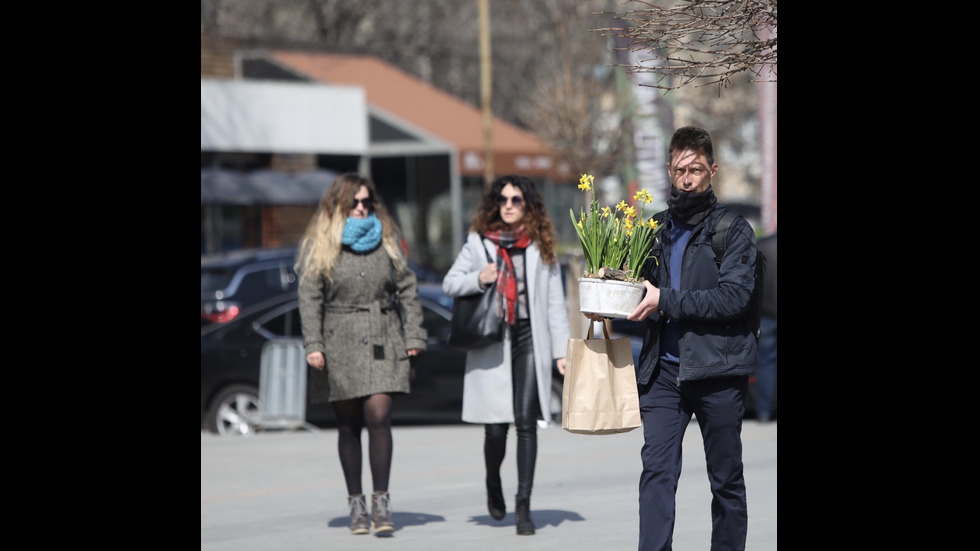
284	491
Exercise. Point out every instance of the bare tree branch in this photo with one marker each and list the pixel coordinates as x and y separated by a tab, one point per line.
573	105
704	40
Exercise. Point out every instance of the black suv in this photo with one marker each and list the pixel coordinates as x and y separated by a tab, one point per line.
234	280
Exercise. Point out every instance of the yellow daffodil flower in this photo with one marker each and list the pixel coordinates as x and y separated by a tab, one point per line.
614	241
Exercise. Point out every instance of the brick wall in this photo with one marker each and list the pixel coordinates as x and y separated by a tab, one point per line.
293	162
283	226
217	57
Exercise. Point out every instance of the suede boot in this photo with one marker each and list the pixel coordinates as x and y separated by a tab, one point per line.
522	515
358	514
381	513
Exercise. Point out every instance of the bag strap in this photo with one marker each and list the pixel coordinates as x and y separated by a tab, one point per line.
485	251
605	330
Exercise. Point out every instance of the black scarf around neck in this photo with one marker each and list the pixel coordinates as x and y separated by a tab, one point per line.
690	207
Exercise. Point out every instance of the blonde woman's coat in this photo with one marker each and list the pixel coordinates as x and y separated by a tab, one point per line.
363	335
487	384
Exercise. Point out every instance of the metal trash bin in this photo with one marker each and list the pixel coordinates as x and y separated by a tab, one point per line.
282	385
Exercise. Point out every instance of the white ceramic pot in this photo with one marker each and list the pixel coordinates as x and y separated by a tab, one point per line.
608	297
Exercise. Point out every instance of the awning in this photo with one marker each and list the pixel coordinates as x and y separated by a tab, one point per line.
431	112
264	187
283	117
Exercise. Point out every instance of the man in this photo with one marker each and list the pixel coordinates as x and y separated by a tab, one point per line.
698	350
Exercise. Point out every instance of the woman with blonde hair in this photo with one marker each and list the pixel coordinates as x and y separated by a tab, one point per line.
362	320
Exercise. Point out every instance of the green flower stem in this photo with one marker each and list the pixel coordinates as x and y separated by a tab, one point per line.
613	241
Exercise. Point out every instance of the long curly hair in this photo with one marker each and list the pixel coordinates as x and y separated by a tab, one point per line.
320	246
537	222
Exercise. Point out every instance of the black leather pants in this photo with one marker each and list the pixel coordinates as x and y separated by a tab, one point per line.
526	414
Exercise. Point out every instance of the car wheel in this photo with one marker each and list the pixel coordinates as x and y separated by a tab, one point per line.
234	411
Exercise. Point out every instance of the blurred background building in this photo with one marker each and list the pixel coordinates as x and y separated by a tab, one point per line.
273	140
294	92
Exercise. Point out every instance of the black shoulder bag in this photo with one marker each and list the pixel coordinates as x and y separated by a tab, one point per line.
475	322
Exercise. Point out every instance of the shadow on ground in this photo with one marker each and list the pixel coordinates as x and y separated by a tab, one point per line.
400	520
541	518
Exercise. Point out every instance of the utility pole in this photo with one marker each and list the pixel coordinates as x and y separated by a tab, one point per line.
485	87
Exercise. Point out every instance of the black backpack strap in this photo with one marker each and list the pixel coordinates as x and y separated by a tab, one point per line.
659	217
719	240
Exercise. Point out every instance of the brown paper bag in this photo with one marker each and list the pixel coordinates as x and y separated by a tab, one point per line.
599	394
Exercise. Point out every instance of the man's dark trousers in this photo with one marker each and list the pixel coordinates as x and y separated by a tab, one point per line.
718	405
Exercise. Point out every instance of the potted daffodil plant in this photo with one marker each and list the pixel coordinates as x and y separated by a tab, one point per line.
616	244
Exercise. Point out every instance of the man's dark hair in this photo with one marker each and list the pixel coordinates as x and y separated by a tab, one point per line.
691	137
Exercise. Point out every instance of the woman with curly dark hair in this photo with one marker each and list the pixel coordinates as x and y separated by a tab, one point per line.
510	381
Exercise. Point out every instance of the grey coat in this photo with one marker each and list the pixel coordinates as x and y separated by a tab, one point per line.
359	329
487	385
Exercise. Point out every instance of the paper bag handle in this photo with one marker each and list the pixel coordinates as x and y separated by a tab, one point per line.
605	329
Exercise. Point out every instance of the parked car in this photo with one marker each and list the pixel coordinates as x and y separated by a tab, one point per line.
231	354
235	280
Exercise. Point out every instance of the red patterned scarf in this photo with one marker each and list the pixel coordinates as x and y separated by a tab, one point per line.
506	278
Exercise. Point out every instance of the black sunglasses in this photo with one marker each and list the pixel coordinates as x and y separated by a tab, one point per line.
515	200
368	203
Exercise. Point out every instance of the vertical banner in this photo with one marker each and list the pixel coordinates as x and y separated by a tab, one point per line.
653	124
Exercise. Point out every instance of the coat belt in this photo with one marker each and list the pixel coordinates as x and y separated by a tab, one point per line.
376	308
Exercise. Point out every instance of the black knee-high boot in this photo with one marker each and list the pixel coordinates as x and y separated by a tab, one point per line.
526	414
527	452
494	448
522	515
527	457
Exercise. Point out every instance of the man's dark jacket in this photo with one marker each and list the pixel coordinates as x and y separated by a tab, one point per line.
711	305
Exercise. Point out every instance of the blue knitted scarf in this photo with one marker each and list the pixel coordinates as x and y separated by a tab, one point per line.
362	234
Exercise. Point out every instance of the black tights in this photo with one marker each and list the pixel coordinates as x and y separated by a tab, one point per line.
526	414
374	412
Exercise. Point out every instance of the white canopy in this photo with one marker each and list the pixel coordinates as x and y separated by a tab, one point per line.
283	117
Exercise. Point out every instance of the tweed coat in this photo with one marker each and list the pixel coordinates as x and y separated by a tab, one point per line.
357	325
487	384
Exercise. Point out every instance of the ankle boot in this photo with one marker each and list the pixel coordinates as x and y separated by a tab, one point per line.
381	513
358	514
495	499
522	514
